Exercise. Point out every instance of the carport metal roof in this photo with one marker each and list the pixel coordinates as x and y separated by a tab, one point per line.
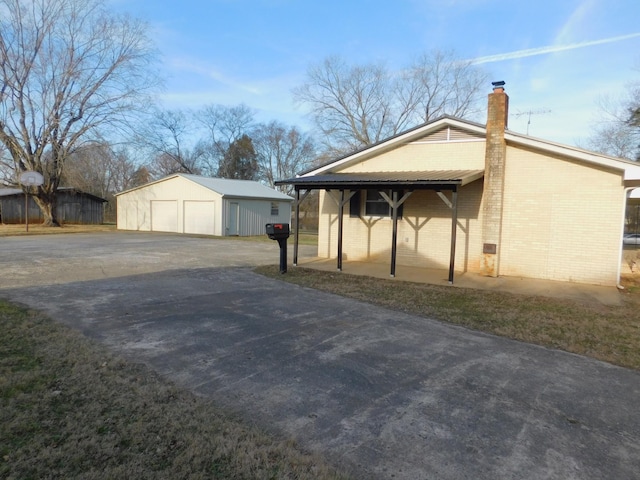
431	180
396	182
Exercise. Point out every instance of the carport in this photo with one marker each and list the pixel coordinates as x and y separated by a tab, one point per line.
341	188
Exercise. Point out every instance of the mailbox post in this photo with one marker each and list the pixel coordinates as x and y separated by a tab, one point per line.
279	232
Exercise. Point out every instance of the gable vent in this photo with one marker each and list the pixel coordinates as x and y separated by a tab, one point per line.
449	134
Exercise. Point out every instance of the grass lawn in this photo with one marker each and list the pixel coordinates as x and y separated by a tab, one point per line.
304	239
609	333
70	409
37	229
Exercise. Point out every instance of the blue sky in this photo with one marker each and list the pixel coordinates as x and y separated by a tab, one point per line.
558	57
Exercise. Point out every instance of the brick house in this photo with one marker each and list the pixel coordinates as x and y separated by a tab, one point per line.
458	195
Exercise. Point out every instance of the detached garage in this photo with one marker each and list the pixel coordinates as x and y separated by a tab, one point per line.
185	203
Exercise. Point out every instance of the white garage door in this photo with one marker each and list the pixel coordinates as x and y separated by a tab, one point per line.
164	215
198	217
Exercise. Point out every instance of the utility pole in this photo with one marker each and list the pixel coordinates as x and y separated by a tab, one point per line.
528	113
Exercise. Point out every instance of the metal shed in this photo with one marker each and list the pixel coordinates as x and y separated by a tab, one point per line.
73	206
184	203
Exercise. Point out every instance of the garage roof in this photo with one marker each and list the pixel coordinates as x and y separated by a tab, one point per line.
237	188
227	187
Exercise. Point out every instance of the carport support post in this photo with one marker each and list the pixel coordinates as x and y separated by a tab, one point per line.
341	202
394	237
395	204
297	227
453	206
454	224
296	238
340	223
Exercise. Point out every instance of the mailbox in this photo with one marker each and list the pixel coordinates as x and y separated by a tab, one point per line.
277	231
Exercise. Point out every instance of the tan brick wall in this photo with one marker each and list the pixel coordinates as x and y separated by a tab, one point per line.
467	155
561	219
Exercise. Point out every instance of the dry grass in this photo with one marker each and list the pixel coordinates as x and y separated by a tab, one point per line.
69	409
607	333
304	239
39	229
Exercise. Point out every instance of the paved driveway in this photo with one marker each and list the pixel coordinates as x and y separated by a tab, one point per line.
384	394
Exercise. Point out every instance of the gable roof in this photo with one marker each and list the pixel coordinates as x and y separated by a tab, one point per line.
226	187
478	131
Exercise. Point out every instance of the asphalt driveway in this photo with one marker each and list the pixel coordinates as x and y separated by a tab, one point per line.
381	393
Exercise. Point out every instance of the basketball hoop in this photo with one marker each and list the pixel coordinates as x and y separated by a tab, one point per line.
30	179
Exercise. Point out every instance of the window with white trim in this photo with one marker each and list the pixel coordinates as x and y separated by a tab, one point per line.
275	208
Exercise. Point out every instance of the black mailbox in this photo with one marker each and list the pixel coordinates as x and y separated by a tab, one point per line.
277	231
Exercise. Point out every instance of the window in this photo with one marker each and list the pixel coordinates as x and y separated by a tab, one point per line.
375	205
275	208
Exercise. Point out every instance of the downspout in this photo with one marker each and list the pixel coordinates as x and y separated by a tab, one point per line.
624	210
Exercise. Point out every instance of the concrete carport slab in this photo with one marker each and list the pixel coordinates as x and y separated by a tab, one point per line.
380	393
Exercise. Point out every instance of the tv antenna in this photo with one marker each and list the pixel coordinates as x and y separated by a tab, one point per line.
528	113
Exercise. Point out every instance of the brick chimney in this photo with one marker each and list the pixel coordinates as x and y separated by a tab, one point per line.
495	155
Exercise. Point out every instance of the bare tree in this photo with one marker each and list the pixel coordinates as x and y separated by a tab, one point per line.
224	125
69	68
357	105
617	129
7	175
282	152
89	169
438	84
97	169
165	137
350	105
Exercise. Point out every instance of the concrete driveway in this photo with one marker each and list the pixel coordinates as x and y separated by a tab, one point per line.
379	393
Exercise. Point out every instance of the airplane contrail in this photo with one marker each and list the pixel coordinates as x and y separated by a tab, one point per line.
530	52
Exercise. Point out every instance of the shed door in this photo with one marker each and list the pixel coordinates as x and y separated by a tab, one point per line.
234	212
164	215
198	217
